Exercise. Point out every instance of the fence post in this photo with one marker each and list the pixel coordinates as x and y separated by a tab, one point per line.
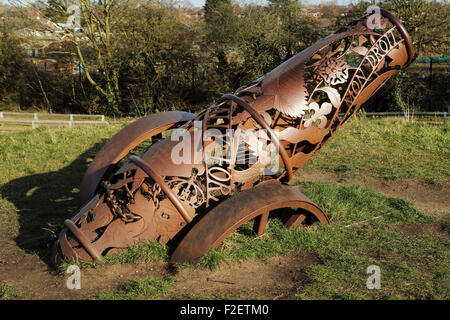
71	117
1	115
32	124
445	117
35	116
103	117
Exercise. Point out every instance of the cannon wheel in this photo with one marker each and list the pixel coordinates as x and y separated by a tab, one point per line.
256	203
122	143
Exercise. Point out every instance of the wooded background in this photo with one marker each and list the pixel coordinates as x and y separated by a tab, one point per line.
135	57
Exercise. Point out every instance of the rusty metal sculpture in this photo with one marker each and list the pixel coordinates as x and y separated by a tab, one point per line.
201	200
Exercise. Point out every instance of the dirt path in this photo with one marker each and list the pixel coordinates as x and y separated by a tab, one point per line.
432	199
36	280
274	278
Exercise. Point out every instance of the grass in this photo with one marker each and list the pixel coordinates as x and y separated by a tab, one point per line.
9	292
405	260
343	204
149	288
387	149
134	255
413	266
41	169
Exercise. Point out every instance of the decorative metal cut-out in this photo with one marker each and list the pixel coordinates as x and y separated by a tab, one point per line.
295	109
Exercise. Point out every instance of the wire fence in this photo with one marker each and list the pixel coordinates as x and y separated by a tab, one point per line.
45	119
405	114
37	116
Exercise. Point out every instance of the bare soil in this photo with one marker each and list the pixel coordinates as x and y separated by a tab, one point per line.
273	278
432	199
439	230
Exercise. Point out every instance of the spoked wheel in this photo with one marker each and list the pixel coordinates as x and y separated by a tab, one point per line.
228	216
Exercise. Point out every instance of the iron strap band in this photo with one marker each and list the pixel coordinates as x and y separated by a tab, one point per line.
259	119
164	187
401	28
82	239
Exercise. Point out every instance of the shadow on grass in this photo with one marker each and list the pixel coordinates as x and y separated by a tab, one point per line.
44	201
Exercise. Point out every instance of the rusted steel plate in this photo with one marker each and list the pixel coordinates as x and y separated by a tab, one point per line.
123	142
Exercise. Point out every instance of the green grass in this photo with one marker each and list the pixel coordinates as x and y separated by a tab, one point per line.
41	170
387	149
149	288
343	204
134	255
414	266
9	292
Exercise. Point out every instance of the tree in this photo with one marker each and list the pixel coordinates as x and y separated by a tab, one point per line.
427	23
221	26
92	26
298	31
56	10
13	67
331	12
260	40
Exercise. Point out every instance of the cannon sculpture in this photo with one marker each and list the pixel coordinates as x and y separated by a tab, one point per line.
198	190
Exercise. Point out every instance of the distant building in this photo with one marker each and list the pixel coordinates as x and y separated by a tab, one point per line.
313	11
191	13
